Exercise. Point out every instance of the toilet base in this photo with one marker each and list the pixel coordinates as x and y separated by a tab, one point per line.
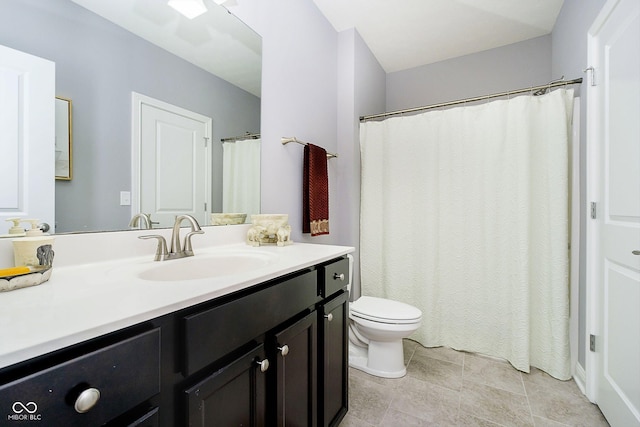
381	359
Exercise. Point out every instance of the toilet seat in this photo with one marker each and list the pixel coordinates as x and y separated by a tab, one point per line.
383	310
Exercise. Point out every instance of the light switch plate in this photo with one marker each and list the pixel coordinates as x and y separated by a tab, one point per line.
125	198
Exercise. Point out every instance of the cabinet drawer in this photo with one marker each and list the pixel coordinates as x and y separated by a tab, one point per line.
336	277
213	333
126	374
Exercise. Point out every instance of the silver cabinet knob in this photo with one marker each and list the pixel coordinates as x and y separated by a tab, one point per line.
636	252
337	276
284	350
87	400
264	364
329	317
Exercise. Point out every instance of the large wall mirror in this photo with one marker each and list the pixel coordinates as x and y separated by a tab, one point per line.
104	52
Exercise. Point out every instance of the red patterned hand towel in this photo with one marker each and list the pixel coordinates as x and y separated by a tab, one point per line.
315	210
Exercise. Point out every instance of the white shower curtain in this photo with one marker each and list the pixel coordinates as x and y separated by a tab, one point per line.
241	177
464	214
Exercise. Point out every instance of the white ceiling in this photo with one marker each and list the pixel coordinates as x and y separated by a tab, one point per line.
404	34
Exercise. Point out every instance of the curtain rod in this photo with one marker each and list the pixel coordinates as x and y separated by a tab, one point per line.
239	138
285	140
536	89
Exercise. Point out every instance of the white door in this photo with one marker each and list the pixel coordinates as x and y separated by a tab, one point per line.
27	137
172	162
614	52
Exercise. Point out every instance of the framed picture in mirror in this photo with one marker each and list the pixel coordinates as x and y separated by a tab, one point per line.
64	153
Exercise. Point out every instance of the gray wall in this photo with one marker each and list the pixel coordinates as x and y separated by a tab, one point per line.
361	91
315	85
569	57
299	98
98	65
514	66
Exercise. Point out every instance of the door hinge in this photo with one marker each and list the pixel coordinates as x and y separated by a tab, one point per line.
592	342
205	206
206	141
593	210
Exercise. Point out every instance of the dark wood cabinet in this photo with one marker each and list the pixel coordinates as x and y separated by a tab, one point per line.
294	374
244	318
235	395
334	353
274	354
90	389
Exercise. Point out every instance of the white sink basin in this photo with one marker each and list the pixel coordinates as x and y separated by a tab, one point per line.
205	266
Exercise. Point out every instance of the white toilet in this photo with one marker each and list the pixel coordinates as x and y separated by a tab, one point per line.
376	329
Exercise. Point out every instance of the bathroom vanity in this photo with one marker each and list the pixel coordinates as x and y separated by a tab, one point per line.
258	348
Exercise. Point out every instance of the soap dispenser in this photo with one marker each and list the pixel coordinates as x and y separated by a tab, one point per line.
15	230
36	249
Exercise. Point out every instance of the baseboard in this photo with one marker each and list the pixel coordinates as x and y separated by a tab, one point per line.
580	378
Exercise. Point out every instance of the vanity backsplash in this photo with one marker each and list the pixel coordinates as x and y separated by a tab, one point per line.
85	248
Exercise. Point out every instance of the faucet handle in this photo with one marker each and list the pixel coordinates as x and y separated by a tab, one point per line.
161	250
188	249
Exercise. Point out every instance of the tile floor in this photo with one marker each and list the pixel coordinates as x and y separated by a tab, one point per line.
444	387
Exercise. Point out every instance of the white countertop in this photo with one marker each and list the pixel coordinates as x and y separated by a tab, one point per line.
85	301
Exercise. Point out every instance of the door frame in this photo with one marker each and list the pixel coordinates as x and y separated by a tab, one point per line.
593	315
137	101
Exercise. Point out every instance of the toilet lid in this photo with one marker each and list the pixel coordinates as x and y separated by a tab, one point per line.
384	310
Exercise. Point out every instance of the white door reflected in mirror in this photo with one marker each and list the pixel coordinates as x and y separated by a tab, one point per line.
27	120
171	161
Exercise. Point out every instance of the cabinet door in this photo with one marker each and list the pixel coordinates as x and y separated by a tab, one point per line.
232	396
334	353
295	356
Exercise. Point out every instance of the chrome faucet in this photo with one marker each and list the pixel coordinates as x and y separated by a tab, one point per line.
176	251
141	217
